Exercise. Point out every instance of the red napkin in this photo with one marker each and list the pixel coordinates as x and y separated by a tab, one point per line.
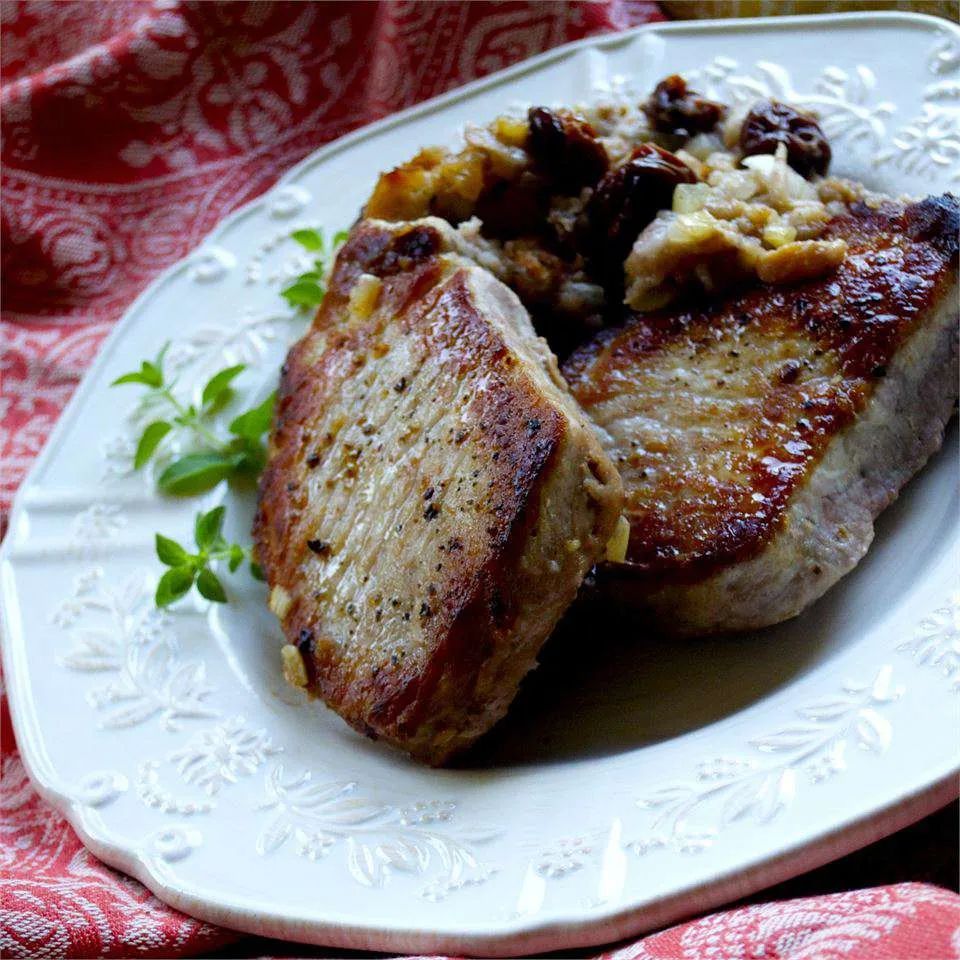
129	129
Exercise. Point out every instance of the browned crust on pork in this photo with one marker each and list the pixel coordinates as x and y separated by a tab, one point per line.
432	668
687	523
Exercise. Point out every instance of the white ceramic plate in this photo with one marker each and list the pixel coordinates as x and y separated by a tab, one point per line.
632	784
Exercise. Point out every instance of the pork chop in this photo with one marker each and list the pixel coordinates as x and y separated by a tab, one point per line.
433	496
759	436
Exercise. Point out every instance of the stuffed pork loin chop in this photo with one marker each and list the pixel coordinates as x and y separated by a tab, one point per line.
760	434
756	433
433	496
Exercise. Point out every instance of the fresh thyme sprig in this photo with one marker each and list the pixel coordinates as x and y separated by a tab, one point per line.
309	289
217	458
242	454
187	569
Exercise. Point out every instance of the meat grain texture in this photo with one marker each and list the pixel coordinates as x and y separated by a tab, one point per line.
433	496
759	436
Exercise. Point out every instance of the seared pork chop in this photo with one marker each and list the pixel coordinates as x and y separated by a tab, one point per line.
760	435
433	496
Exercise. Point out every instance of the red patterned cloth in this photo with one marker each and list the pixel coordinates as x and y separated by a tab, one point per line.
908	921
129	129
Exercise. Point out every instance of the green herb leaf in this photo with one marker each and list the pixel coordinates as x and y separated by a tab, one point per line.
148	375
170	552
303	293
251	455
197	472
236	557
149	441
309	239
158	363
210	587
128	378
254	423
219	383
173	585
151	373
256	571
340	238
207	527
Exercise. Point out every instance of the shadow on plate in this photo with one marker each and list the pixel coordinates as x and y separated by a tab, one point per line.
605	685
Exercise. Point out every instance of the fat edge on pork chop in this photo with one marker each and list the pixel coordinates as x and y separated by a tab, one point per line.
433	497
759	436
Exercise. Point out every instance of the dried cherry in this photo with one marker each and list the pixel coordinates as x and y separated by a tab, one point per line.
771	123
565	149
628	198
674	108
